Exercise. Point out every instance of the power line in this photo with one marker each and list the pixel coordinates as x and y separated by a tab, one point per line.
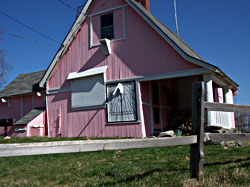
67	5
38	32
27	39
175	14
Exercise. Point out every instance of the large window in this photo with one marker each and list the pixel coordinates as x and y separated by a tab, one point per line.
107	26
121	102
88	89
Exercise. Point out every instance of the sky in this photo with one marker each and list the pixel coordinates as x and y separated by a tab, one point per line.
219	31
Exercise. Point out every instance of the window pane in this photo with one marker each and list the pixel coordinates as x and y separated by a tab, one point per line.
107	20
121	103
156	115
155	89
107	32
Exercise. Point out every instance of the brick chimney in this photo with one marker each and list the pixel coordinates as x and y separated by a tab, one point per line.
145	3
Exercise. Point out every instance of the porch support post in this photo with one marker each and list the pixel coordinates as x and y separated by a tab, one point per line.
209	97
228	95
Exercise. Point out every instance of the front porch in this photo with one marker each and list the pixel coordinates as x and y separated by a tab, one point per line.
167	103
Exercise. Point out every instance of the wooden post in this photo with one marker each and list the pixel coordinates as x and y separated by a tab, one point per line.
196	150
5	130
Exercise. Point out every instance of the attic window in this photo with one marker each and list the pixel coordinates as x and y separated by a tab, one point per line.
107	26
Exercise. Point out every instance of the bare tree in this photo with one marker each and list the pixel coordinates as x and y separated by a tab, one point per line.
4	67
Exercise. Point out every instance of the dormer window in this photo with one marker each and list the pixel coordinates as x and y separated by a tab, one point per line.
107	26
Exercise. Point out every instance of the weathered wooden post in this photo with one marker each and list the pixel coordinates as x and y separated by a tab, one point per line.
196	150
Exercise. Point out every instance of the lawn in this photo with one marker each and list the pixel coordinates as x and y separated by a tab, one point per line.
167	166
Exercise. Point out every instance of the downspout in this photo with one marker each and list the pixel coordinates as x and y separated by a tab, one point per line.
47	110
60	123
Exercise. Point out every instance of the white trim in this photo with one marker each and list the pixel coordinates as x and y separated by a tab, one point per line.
112	40
184	73
169	75
20	129
91	45
47	111
143	127
89	72
123	20
58	90
90	32
37	126
66	43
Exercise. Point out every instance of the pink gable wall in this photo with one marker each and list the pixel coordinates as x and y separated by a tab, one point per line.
143	52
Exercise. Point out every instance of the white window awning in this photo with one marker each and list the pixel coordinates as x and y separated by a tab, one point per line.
90	72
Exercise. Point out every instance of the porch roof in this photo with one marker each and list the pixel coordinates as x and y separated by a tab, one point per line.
30	116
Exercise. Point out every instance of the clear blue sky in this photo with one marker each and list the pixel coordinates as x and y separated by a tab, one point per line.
219	31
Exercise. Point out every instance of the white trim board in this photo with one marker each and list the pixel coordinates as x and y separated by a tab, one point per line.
89	72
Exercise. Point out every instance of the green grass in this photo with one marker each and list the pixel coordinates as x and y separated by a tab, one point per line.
167	166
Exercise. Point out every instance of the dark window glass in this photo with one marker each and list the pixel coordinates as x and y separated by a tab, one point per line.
107	26
156	115
155	89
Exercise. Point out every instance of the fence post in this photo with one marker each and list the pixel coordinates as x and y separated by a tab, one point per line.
196	150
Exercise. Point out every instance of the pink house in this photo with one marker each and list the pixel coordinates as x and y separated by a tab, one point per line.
22	107
121	72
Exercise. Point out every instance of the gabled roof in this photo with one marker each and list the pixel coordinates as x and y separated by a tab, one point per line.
23	84
176	42
30	116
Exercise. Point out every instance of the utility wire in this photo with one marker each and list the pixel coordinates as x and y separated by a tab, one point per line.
33	41
38	32
67	5
175	15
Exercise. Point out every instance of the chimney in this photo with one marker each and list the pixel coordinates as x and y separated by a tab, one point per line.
145	3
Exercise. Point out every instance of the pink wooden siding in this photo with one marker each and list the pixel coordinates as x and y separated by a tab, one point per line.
27	104
87	123
136	56
37	131
104	5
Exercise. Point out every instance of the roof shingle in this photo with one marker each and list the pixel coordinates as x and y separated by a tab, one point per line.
23	84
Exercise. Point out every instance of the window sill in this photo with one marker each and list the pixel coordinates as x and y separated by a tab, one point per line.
123	123
89	107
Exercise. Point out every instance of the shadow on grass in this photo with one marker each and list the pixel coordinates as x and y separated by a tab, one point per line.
230	162
140	176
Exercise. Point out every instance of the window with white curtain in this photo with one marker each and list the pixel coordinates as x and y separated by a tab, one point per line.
121	102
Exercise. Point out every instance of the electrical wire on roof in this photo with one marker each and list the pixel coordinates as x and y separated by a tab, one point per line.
33	41
30	28
67	5
175	15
